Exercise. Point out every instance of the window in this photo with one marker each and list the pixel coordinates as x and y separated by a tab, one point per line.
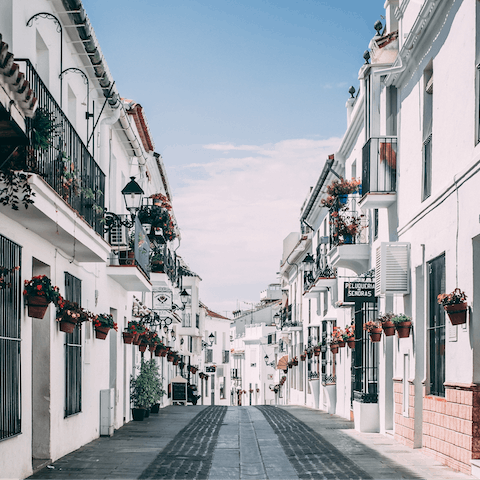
186	320
10	313
208	355
375	223
226	356
197	320
364	357
427	132
222	387
436	326
73	352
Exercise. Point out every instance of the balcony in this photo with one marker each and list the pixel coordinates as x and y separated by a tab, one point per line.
349	247
164	262
322	278
379	173
131	268
67	183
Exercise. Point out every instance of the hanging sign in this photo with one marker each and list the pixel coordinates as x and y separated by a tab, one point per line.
162	299
359	291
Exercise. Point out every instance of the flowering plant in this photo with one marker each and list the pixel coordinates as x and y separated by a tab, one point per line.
349	332
72	312
42	286
400	318
386	317
371	325
3	276
337	335
152	338
454	298
105	320
340	187
137	327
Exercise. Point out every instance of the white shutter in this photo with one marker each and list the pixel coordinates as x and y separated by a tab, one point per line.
392	268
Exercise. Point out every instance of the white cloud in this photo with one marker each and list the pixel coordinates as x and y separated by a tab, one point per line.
234	217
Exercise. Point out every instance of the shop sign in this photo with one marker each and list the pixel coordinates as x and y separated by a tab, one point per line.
359	291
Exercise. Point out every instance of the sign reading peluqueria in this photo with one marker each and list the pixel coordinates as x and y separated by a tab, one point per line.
359	291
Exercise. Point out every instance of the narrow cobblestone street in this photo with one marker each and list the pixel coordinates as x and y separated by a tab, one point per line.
245	443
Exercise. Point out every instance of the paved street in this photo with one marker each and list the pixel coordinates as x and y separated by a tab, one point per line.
262	442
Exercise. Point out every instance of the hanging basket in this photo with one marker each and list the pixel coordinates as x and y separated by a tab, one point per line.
152	348
127	337
67	327
142	347
37	306
101	332
136	339
403	329
334	349
351	343
376	335
341	344
457	313
388	328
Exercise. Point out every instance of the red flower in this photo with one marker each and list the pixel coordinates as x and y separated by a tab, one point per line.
24	292
39	287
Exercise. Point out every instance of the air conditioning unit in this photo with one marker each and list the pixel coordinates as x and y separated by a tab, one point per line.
392	268
118	236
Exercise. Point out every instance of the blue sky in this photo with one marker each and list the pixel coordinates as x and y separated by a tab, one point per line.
245	99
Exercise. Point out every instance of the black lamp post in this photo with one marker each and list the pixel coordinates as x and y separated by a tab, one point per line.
308	263
211	337
132	194
267	363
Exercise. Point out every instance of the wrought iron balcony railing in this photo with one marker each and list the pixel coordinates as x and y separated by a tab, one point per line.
379	165
347	224
65	164
163	261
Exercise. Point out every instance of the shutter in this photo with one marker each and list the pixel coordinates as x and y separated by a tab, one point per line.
209	355
219	371
392	269
118	235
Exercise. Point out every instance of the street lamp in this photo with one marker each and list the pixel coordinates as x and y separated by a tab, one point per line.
267	363
132	193
211	337
308	263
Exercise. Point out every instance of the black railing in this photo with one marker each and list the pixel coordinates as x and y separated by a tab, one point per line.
379	165
347	224
162	261
10	339
66	164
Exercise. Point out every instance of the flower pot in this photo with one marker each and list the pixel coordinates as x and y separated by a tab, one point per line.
158	352
67	327
303	357
37	306
142	347
334	349
147	412
457	313
127	337
138	414
341	344
152	348
155	408
388	328
376	334
163	353
347	239
136	339
403	329
351	343
342	199
316	351
101	332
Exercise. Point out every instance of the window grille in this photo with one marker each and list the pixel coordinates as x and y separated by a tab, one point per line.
186	320
208	355
73	352
364	357
10	338
436	327
226	356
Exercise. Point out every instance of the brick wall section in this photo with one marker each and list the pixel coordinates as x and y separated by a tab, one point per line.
451	426
404	426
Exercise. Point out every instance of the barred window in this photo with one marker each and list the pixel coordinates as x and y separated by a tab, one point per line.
10	313
187	320
226	356
73	352
208	355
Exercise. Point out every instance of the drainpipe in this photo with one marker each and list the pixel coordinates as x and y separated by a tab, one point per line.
391	71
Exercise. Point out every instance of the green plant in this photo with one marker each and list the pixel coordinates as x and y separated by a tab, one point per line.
400	318
454	298
73	312
371	325
105	320
146	388
136	327
387	317
44	129
41	285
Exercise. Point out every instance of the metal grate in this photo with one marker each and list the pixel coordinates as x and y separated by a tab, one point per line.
73	352
10	340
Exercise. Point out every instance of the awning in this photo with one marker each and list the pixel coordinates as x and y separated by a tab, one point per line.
283	363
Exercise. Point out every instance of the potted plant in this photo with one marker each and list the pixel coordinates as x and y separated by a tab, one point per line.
340	189
345	227
349	336
455	304
39	293
403	324
337	337
145	389
387	325
69	314
303	356
374	329
103	323
317	349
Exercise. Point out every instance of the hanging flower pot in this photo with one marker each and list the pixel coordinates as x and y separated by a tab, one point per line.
334	348
303	357
128	337
388	328
341	344
376	334
101	332
152	348
136	339
316	351
403	329
457	313
67	327
351	343
37	306
142	347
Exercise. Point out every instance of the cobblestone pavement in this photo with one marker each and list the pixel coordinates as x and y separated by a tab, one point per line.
190	453
310	453
264	442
